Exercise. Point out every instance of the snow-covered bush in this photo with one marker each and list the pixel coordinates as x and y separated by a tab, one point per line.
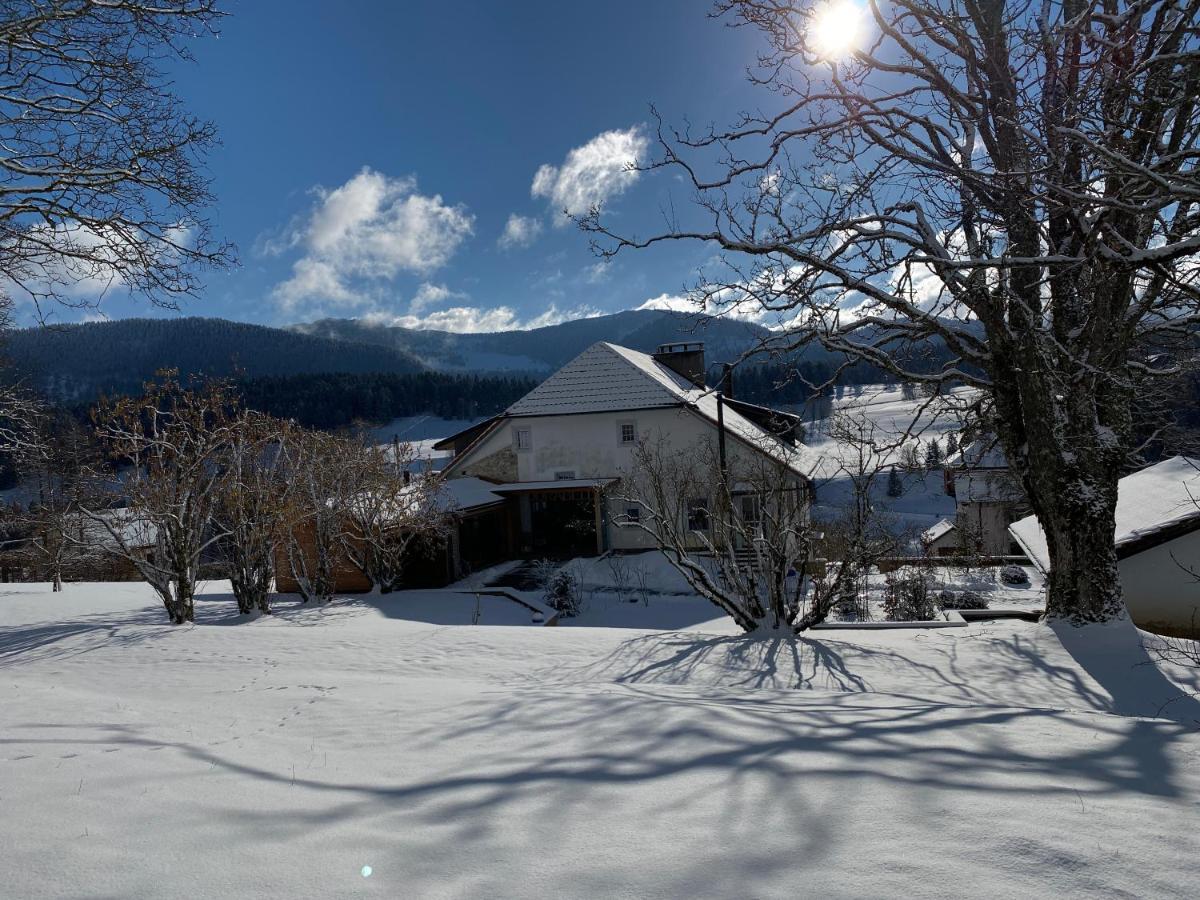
542	572
563	593
852	604
910	598
1014	575
962	600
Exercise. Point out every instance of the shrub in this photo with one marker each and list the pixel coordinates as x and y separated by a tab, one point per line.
1014	575
909	599
962	600
562	594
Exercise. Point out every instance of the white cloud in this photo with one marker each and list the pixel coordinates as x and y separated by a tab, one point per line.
429	294
473	319
81	264
365	232
519	231
597	273
726	303
670	302
591	173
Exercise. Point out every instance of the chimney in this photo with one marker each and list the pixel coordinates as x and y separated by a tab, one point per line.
686	359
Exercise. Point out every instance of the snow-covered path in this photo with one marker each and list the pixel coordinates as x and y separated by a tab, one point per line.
282	756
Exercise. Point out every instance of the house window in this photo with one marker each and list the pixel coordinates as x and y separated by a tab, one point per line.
522	439
627	432
565	475
697	514
633	514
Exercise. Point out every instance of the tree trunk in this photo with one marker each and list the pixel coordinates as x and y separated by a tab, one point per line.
185	607
1084	584
56	582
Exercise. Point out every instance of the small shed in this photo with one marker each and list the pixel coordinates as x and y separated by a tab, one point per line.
941	539
1158	545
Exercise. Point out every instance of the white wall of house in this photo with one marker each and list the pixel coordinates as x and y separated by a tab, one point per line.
590	445
987	501
988	521
1160	594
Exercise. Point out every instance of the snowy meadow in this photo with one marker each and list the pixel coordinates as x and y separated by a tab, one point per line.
385	746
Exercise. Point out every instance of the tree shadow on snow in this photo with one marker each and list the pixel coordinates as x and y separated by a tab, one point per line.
80	634
798	761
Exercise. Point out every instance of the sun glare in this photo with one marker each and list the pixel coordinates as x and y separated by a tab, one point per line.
835	29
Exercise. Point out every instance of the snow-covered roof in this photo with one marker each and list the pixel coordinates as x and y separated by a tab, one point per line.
984	453
468	493
607	377
938	530
1157	498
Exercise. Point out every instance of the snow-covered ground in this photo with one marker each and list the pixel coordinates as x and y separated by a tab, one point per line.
353	751
1027	597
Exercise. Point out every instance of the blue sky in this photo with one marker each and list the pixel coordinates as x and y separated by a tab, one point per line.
375	154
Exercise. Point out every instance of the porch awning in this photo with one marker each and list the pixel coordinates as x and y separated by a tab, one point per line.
564	484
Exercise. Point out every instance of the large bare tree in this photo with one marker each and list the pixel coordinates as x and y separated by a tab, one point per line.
250	511
320	486
170	446
101	170
1017	181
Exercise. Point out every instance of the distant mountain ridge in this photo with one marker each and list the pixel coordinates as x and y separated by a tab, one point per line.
543	350
75	363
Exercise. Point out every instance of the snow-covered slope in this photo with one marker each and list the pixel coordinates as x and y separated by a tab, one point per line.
351	751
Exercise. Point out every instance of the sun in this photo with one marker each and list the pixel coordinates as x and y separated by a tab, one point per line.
835	28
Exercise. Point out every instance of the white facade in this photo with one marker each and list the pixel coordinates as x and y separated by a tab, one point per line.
1160	591
591	446
586	421
987	497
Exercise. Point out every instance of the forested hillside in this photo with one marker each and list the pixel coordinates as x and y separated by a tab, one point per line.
546	349
335	400
74	363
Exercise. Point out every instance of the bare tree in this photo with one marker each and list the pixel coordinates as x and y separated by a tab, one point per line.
397	510
170	444
858	535
1016	181
249	510
101	178
319	487
62	468
739	533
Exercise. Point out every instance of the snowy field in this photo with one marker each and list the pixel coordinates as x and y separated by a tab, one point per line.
364	750
924	500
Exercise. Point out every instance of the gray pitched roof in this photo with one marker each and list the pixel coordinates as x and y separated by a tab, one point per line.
607	377
601	378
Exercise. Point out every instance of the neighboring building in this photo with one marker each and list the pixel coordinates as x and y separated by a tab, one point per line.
1158	545
479	539
942	539
556	454
987	498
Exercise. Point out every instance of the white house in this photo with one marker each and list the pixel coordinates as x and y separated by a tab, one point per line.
1158	545
558	452
987	500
